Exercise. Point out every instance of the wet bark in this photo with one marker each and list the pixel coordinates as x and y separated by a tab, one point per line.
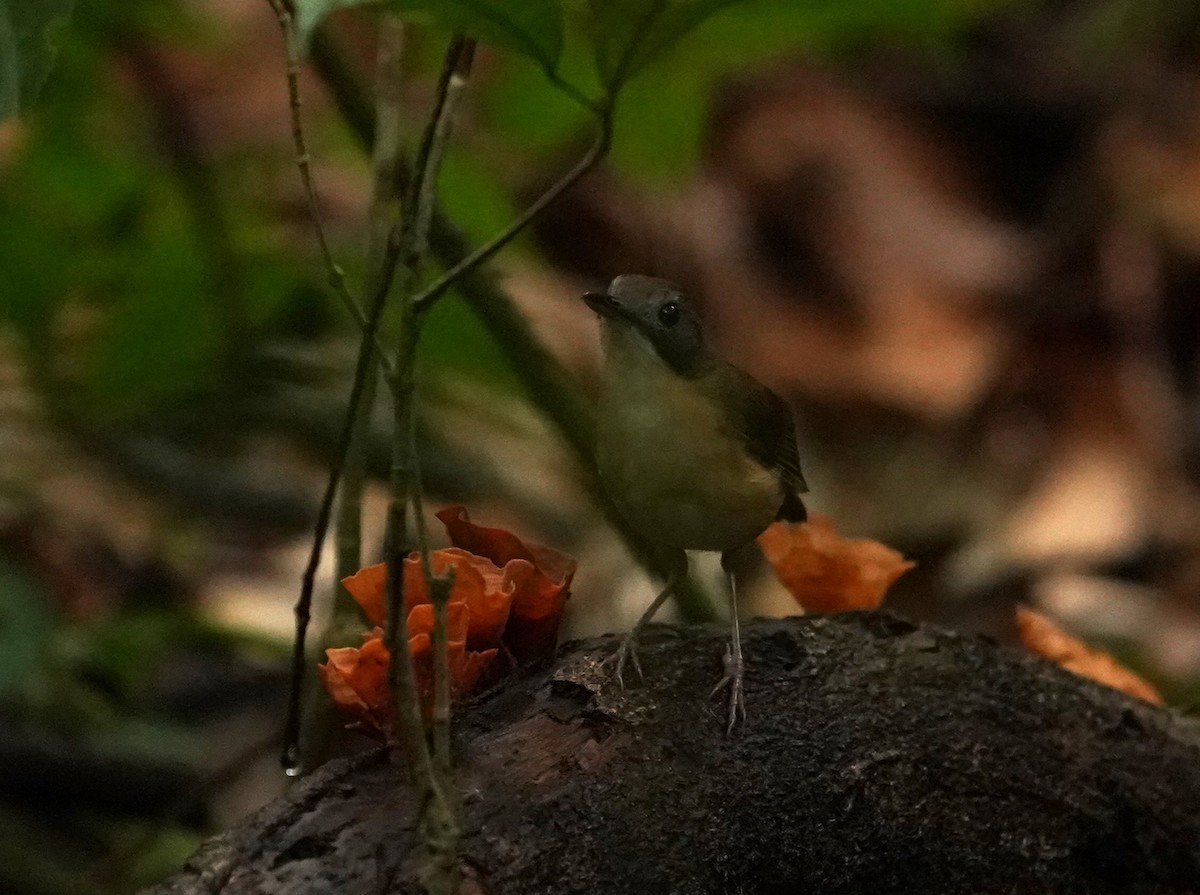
879	756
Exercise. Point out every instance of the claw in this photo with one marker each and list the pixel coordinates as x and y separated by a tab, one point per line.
626	653
733	680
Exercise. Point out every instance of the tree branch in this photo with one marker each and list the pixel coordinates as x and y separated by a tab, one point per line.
879	756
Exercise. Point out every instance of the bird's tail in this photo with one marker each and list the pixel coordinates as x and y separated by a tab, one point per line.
792	509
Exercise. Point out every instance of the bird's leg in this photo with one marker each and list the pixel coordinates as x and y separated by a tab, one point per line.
732	660
627	651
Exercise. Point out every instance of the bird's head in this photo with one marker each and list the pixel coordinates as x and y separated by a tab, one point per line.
658	314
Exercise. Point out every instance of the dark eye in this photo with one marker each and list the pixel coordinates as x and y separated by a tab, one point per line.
668	314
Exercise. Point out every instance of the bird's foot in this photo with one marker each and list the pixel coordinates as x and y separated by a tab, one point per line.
626	654
733	680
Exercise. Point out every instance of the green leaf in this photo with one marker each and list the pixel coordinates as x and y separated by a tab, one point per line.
533	28
26	49
627	35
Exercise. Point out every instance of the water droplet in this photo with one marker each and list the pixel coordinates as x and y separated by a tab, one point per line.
291	760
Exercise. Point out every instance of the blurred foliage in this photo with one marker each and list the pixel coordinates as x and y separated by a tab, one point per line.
146	316
115	697
26	628
135	322
27	31
101	675
664	106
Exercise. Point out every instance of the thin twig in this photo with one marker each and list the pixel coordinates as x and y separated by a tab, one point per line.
403	684
335	275
382	215
407	710
591	158
325	512
439	591
363	366
303	608
596	107
426	198
602	109
442	833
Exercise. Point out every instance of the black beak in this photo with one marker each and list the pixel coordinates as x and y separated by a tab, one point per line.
605	305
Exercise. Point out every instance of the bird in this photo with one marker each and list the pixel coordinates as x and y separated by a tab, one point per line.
694	453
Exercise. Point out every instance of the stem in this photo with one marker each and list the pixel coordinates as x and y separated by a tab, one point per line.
363	366
335	276
382	216
442	832
410	250
401	680
429	161
348	524
324	514
549	383
591	158
439	590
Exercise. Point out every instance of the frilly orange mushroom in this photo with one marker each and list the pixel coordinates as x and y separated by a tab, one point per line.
505	608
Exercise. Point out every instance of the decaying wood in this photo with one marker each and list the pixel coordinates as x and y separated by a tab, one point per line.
879	756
